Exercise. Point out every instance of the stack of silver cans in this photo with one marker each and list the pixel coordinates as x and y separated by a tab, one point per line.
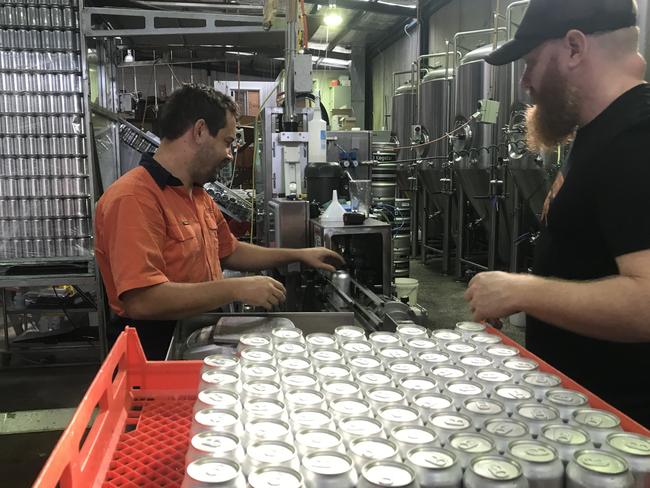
44	172
410	408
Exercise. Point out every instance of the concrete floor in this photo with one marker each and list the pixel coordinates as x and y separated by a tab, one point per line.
55	388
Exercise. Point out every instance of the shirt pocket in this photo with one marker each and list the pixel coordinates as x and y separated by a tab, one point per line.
182	242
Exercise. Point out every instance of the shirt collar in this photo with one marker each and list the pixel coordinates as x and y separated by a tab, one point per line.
160	175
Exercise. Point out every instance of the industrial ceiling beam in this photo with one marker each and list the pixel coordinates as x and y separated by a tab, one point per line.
344	29
375	7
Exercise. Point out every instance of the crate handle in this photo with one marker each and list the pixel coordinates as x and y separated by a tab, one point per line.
65	468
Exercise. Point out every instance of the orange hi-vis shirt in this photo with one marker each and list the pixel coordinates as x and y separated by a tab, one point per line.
149	231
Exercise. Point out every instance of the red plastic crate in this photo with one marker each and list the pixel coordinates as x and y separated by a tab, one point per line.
141	432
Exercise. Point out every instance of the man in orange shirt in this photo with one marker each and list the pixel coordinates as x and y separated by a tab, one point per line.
160	240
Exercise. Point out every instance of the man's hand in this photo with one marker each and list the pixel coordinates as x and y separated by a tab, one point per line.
320	258
258	290
492	295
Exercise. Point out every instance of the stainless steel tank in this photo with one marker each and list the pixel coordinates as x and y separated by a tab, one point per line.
403	117
476	80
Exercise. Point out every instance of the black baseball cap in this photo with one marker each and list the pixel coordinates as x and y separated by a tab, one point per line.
552	19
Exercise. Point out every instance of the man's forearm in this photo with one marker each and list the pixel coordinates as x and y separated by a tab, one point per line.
615	308
248	257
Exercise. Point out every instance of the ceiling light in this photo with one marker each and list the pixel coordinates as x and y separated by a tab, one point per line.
129	56
332	17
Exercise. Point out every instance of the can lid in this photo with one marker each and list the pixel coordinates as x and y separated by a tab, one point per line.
357	346
497	468
460	347
274	477
394	352
562	396
432	401
384	337
413	434
483	406
215	416
374	378
365	361
532	451
411	330
290	347
506	428
349	332
327	463
326	354
350	406
520	364
320	339
513	392
213	470
431	458
470	327
221	361
261	387
629	443
565	434
539	378
385	473
448	371
360	426
256	354
272	452
267	428
311	417
503	350
404	367
493	375
476	360
421	342
398	414
299	380
600	462
373	448
471	443
305	397
418	383
286	333
260	370
485	338
265	406
215	442
385	394
537	412
446	335
450	421
433	357
296	363
318	438
220	377
218	397
596	419
334	371
467	388
340	387
255	340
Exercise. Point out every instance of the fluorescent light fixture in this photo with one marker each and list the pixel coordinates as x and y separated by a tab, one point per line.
321	46
240	53
338	63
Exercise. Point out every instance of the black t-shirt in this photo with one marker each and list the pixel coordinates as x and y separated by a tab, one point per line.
601	212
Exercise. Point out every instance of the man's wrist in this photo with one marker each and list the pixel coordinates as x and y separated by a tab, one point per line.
524	291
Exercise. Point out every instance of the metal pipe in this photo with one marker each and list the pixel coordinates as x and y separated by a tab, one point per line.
458	35
395	75
289	53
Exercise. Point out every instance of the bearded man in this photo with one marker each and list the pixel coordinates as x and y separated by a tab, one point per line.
588	299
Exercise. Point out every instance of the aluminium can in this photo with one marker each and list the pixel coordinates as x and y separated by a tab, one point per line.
429	359
312	418
321	356
355	347
456	349
256	355
511	395
435	467
293	364
334	372
364	362
540	463
444	336
414	385
313	440
218	398
285	333
291	349
461	390
254	340
215	444
393	416
420	344
635	449
329	469
320	339
304	398
467	329
350	407
228	380
491	378
267	430
494	472
447	423
598	423
346	333
501	351
394	352
352	428
298	379
408	437
372	379
536	416
446	372
266	389
566	439
468	445
221	361
381	396
364	450
251	372
505	430
263	408
592	468
263	454
380	340
540	382
334	389
274	477
217	420
566	401
406	331
379	474
473	362
429	403
217	472
482	409
404	369
519	366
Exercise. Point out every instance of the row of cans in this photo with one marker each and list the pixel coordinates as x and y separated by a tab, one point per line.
43	166
51	124
45	248
50	186
28	228
39	61
40	82
13	103
135	140
54	145
44	207
39	39
39	16
64	3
